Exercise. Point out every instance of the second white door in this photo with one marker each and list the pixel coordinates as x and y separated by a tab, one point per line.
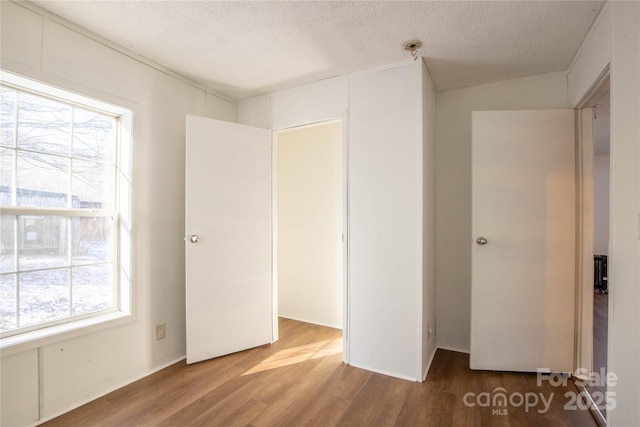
523	242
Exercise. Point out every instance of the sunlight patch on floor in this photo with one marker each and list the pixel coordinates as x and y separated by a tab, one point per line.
302	353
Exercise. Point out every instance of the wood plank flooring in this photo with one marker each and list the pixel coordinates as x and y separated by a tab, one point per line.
600	330
600	337
301	381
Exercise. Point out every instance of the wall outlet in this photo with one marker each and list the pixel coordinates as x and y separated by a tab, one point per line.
160	331
429	330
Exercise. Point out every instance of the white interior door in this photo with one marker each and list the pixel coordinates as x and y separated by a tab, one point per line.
228	238
523	286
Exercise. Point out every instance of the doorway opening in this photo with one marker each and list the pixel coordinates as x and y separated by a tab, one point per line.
309	233
601	174
593	238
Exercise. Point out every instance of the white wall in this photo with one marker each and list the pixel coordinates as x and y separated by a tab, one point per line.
325	100
454	187
429	177
616	37
383	113
310	208
68	373
601	204
385	227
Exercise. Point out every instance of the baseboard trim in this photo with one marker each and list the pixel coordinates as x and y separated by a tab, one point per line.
443	347
110	390
310	322
387	373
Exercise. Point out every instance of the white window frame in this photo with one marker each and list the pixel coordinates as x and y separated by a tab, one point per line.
34	336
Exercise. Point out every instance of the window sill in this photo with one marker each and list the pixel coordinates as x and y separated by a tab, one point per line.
41	337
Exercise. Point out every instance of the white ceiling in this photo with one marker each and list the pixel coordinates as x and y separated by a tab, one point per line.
247	48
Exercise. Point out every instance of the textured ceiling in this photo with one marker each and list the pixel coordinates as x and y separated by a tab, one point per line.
246	48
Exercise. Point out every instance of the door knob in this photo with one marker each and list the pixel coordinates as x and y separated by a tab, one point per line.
481	240
195	238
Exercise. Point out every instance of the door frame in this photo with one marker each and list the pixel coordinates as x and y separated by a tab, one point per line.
585	236
345	226
584	226
584	244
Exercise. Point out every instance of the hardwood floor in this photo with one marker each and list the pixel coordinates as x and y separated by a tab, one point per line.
600	337
301	381
600	330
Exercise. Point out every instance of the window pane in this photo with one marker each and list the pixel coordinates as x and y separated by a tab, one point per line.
57	153
43	180
7	302
6	176
7	243
93	136
92	184
92	239
92	288
43	242
44	296
7	116
43	124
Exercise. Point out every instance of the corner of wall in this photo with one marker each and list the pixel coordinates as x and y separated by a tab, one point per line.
427	365
429	176
255	112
